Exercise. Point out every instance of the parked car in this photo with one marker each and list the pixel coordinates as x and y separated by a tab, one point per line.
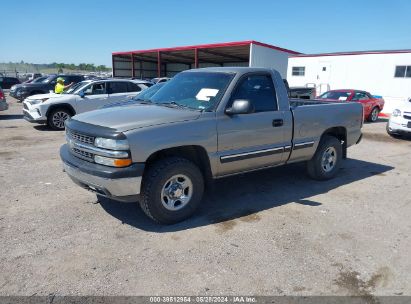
7	82
400	120
31	76
205	123
46	85
303	92
160	79
147	81
372	105
88	95
3	104
14	89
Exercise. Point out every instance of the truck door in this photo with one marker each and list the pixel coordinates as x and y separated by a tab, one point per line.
254	140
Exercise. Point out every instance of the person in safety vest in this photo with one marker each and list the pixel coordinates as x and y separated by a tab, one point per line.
60	87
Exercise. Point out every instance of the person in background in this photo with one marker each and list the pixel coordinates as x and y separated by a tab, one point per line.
60	87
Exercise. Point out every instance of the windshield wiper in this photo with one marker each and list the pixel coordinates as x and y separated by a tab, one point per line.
145	101
174	105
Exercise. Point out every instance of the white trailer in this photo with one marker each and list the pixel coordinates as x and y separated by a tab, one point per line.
382	73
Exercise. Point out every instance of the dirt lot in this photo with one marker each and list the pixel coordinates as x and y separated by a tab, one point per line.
269	233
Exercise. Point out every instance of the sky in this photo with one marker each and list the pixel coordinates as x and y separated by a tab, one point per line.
84	31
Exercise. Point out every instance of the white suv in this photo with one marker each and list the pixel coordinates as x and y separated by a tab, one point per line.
400	120
84	96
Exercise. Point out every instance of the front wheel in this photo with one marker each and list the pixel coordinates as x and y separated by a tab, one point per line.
373	117
57	118
326	160
172	190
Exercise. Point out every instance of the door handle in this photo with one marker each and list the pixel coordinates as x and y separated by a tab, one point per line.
278	123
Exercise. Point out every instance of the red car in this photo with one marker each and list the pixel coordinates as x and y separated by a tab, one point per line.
372	106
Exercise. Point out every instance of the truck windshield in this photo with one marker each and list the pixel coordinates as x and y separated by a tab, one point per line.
194	90
146	94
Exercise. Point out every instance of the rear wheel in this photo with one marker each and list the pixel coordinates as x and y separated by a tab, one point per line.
373	117
172	190
56	118
326	160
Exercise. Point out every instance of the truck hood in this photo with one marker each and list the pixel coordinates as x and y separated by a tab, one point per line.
136	116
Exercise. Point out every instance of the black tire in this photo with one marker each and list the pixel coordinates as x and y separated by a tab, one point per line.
315	166
373	117
56	118
156	178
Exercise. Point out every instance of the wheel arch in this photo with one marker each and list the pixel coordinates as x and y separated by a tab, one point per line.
197	154
341	134
61	106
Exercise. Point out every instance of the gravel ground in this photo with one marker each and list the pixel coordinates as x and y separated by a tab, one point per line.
274	232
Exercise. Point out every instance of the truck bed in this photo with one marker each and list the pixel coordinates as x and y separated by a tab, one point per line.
295	102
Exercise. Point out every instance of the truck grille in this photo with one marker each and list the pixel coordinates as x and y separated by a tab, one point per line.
85	139
82	146
407	115
75	137
83	154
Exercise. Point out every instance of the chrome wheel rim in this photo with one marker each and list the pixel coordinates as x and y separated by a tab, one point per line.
59	118
176	192
374	115
329	159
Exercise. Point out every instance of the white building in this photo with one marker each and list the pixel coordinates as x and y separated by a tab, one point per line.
382	73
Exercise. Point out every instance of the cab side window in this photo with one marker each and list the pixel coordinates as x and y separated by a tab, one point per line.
117	87
259	90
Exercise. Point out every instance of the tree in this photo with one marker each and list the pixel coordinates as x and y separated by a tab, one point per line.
101	68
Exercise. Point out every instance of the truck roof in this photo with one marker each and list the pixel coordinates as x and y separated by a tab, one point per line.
229	70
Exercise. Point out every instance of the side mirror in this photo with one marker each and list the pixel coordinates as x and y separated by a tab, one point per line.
240	106
81	94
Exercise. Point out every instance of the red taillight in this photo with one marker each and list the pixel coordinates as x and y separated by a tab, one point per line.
1	94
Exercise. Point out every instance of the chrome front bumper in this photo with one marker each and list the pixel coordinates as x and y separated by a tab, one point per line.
119	188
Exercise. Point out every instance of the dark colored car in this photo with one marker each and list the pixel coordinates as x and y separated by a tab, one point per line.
46	85
8	82
14	89
303	93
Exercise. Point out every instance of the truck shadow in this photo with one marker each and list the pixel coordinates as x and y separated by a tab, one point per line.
243	196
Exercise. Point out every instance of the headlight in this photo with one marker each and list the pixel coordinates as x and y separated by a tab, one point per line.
396	113
37	101
112	162
111	144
